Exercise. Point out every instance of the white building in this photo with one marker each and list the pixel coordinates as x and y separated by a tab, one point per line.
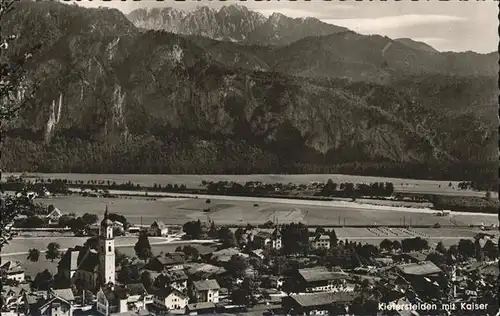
170	299
54	216
320	242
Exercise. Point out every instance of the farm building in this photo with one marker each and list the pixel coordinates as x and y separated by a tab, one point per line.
53	216
158	228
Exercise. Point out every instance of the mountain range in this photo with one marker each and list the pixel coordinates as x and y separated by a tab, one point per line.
116	98
233	23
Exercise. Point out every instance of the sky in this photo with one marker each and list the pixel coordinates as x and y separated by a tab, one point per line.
446	25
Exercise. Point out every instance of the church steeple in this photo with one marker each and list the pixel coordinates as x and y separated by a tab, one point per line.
106	250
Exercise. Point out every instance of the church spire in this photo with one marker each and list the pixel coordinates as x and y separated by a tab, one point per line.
105	219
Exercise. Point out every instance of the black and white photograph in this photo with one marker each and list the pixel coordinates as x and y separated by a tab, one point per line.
249	158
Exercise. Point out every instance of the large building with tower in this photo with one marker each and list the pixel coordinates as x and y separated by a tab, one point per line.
90	268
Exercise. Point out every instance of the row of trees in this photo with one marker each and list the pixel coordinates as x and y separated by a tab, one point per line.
357	190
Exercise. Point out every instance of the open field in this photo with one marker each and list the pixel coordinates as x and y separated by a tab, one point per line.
179	211
194	181
395	233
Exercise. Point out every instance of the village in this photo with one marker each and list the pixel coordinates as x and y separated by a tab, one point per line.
281	269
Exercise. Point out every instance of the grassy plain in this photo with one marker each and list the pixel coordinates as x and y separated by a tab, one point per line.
194	181
179	211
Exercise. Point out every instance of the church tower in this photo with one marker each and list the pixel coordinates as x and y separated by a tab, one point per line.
106	251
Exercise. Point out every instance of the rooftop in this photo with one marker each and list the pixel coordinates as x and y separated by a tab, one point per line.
206	285
159	224
420	268
321	274
136	289
65	294
176	275
323	298
165	292
12	267
90	261
200	306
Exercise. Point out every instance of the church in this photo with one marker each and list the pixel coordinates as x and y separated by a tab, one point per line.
88	268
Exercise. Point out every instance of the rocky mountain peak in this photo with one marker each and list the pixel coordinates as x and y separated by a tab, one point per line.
235	23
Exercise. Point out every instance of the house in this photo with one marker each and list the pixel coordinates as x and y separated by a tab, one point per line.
202	271
13	296
205	291
224	255
411	257
320	242
272	282
169	261
382	261
424	276
263	239
111	299
13	271
320	279
58	303
177	279
258	253
170	299
53	216
425	268
137	297
201	308
158	228
326	303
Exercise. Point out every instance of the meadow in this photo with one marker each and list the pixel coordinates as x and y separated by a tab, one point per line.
177	211
194	181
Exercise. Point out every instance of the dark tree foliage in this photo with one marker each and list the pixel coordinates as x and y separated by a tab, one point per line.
33	255
143	247
236	266
226	236
52	251
414	244
193	229
295	238
43	280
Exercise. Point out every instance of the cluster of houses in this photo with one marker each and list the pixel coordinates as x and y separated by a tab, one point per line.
181	284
